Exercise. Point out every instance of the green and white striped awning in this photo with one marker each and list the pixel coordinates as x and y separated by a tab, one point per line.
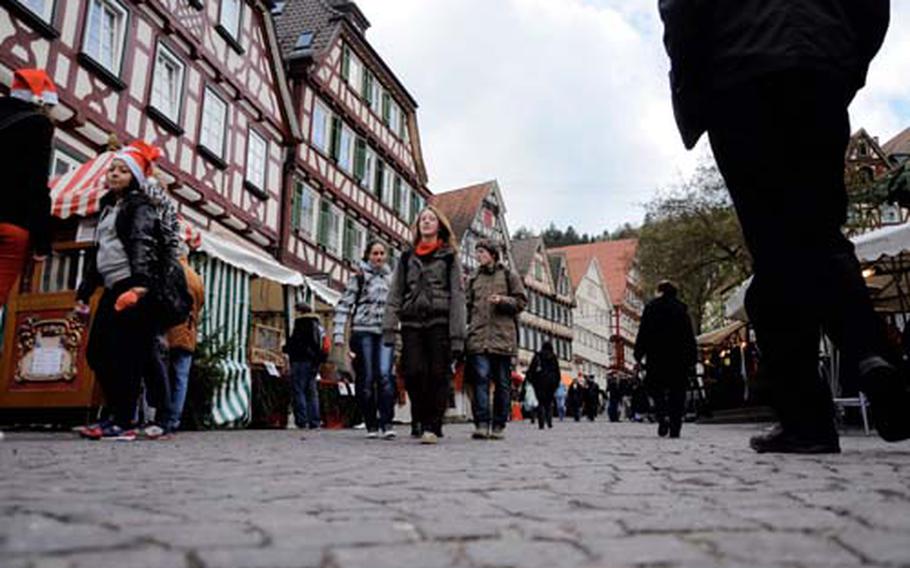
226	316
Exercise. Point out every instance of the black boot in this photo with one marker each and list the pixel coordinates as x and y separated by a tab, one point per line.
779	441
889	396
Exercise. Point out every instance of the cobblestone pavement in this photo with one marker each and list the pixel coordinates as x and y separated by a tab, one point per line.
591	495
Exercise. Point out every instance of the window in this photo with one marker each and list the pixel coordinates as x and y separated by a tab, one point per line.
230	17
105	34
386	107
303	209
214	123
394	120
407	199
352	69
376	95
369	170
388	186
355	240
330	227
345	154
167	83
321	118
63	163
255	160
44	9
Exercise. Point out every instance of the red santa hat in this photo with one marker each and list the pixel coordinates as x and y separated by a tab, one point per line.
34	86
139	158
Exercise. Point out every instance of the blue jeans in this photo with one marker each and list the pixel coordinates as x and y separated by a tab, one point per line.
373	369
179	375
305	397
489	368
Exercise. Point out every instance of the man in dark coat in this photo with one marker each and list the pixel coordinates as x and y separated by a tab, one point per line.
25	151
770	81
666	345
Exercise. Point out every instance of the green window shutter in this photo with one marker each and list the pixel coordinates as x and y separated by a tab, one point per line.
348	252
366	89
296	199
324	220
396	195
360	159
335	149
346	62
386	107
380	177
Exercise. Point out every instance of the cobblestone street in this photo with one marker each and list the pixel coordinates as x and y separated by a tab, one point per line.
592	495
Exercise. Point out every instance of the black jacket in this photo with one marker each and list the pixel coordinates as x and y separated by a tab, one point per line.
305	342
665	337
139	230
715	44
544	374
25	155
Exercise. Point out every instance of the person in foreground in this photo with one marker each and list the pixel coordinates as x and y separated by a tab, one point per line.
770	82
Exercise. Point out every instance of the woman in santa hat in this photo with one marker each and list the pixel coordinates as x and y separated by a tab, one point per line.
124	334
25	151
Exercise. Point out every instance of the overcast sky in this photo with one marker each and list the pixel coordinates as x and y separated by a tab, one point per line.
565	102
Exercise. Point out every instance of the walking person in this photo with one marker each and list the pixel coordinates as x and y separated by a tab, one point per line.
363	303
575	399
426	304
544	375
26	132
745	71
304	350
181	341
591	398
666	347
126	261
614	394
495	296
561	393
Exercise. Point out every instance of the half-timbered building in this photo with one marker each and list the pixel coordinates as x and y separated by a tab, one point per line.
548	316
359	173
202	80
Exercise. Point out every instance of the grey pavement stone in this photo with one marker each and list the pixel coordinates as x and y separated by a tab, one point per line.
586	495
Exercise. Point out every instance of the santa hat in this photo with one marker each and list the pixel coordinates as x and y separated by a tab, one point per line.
139	158
34	86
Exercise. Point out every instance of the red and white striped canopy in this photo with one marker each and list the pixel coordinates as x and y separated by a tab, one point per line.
80	191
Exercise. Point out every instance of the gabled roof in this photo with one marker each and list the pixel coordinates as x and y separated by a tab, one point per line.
615	259
523	251
461	205
578	262
874	149
900	144
325	20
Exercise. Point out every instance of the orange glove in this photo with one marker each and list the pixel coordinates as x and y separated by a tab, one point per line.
126	301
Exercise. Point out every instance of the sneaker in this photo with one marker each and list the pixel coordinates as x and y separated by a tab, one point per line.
498	433
112	432
154	432
779	441
480	433
92	431
389	435
361	426
372	434
663	428
429	438
889	397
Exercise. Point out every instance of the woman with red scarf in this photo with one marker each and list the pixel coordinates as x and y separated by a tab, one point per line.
426	304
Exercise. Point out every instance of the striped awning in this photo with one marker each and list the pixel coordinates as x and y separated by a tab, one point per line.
80	191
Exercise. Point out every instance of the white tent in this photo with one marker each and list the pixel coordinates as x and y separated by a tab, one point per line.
886	251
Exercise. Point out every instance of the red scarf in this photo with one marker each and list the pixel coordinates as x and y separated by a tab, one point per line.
424	249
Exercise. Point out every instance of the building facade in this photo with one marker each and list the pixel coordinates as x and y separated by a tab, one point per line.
476	212
359	173
866	162
591	318
548	316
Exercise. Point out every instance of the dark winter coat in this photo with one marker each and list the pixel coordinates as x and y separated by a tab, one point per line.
427	291
305	343
25	155
714	44
544	374
665	338
138	229
493	328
